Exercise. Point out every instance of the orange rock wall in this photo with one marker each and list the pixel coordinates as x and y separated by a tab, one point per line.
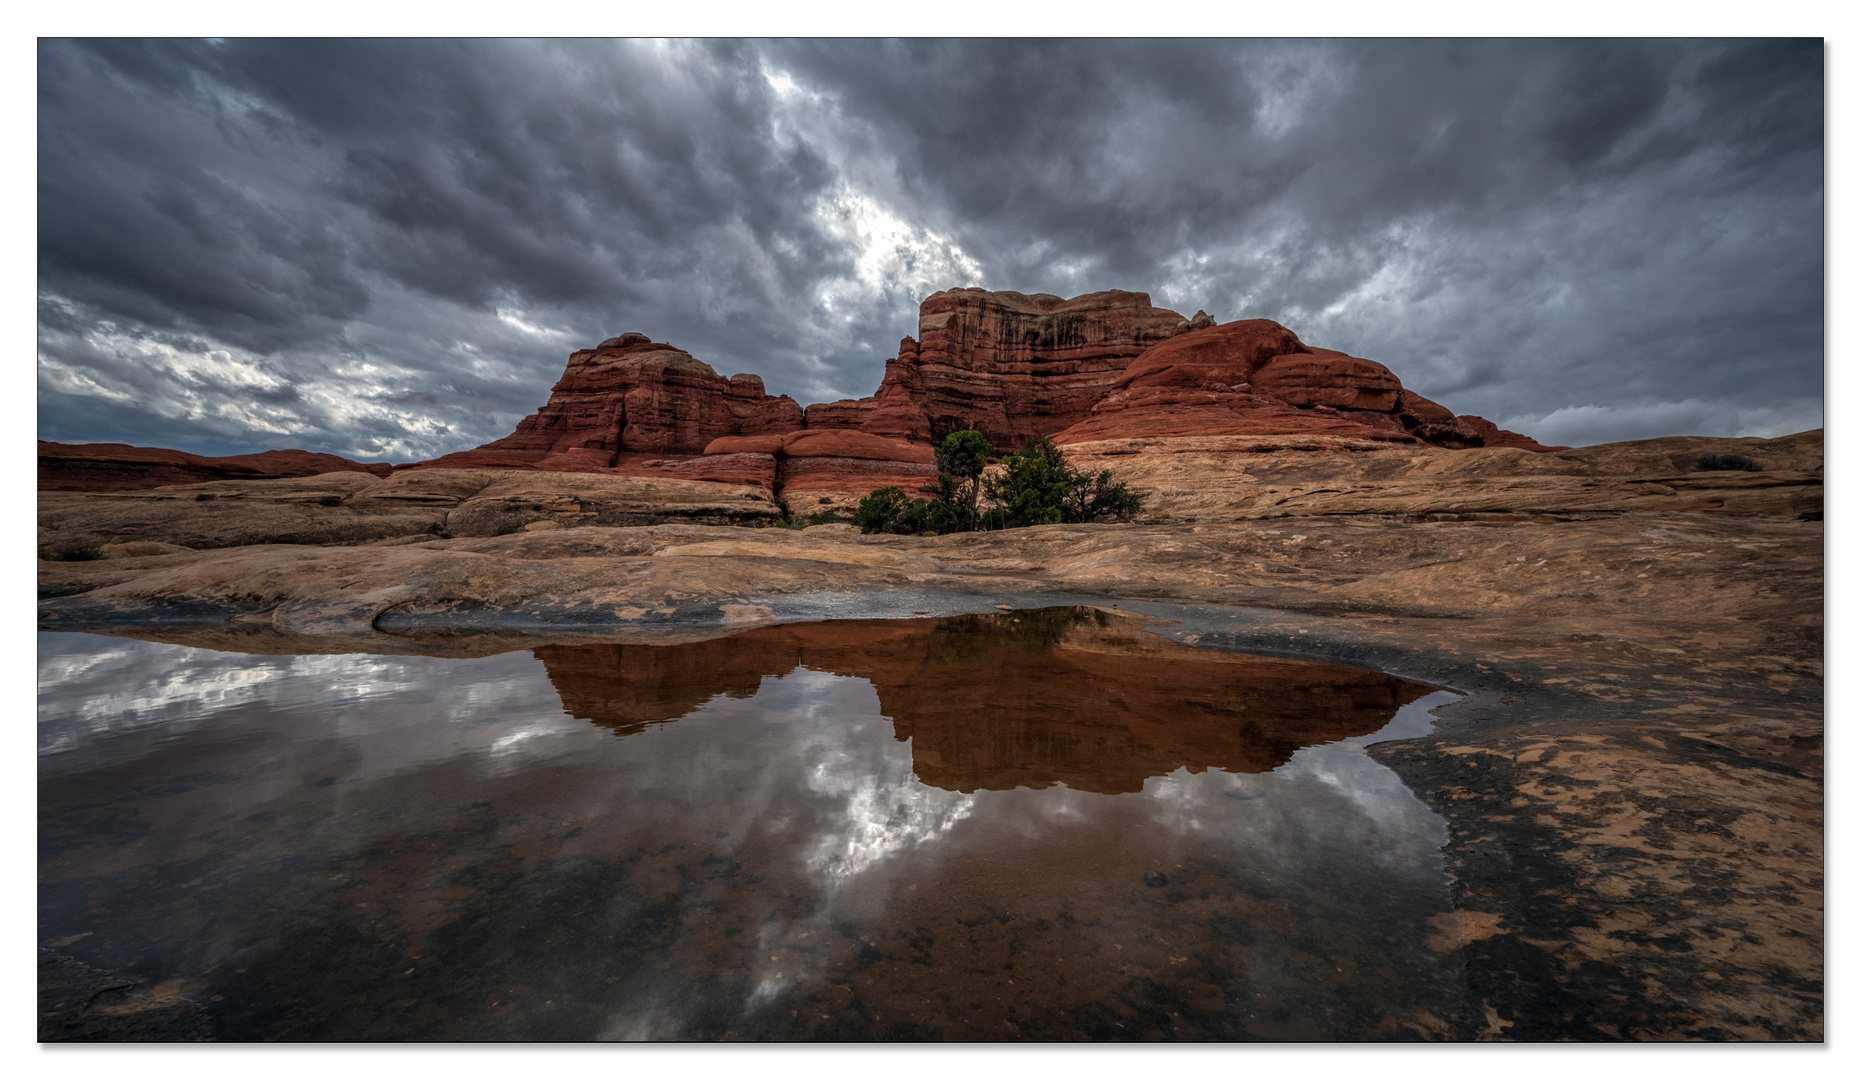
633	395
1255	377
1011	365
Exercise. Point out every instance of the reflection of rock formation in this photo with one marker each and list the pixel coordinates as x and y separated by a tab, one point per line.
995	702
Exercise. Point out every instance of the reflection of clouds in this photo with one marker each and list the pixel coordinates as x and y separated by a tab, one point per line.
882	816
863	806
407	710
804	783
135	684
1333	793
881	807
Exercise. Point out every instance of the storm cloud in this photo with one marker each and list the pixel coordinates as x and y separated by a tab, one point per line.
386	249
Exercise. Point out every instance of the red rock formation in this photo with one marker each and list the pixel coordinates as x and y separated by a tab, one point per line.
1009	365
631	394
1106	365
845	414
832	443
120	467
851	477
1255	377
755	469
1491	434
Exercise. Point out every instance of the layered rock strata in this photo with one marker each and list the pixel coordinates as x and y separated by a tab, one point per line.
1011	365
1255	377
632	395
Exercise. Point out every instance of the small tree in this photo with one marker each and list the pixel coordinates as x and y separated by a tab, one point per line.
1037	486
890	510
962	455
1032	487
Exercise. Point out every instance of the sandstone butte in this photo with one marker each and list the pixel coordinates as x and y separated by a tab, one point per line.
1014	366
1107	365
1631	787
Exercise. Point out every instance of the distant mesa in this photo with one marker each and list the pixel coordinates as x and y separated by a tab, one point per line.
1011	365
120	467
1015	366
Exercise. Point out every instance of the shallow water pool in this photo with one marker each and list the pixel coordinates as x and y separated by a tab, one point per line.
1038	825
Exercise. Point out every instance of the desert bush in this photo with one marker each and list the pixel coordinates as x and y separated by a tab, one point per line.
330	500
71	553
1035	487
890	510
1038	487
205	496
1728	462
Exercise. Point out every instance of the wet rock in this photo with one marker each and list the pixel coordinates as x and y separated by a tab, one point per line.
80	1003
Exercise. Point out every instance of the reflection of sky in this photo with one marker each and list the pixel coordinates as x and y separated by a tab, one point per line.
1334	792
806	773
94	691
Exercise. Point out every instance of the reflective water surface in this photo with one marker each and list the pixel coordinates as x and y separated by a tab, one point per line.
1040	825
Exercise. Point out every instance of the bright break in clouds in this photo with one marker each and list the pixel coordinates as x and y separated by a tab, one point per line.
387	249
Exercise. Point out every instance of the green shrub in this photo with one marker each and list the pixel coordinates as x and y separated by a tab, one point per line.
890	510
1035	487
1038	487
205	496
330	500
1728	462
436	528
71	553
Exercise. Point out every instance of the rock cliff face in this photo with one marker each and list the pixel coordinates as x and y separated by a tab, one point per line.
120	467
1255	377
1010	365
632	395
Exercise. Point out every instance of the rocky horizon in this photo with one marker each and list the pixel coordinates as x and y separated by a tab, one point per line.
1015	366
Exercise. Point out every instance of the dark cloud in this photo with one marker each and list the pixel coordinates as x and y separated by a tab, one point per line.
387	248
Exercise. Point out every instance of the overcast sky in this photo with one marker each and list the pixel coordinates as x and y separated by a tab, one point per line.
388	249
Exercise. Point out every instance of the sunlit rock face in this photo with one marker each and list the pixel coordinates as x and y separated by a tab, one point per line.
1063	696
633	395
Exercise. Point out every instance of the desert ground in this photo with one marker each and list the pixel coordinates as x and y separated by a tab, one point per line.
1633	781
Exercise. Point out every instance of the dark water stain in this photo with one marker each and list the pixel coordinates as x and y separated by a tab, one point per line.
1041	825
